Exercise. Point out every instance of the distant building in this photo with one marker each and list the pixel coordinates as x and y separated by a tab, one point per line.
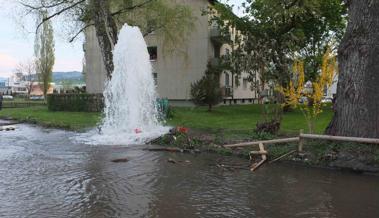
332	90
174	74
36	89
16	85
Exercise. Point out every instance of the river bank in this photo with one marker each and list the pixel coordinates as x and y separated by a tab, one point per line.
360	158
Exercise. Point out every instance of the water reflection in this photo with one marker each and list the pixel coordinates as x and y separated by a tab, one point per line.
44	174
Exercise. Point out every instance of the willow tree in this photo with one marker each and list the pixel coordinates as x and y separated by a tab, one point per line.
174	21
44	53
357	103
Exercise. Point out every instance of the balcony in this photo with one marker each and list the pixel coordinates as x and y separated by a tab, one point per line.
217	37
215	62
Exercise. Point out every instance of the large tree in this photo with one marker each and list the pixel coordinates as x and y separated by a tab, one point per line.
357	103
44	53
174	21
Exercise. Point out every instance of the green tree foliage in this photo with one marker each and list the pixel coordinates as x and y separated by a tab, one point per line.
207	91
275	32
44	52
292	29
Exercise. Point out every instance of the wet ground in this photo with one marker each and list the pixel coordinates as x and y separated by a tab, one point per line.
43	173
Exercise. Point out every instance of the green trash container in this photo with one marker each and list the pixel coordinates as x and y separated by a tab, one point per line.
163	108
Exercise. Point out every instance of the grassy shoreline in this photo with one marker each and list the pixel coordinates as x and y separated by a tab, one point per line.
75	121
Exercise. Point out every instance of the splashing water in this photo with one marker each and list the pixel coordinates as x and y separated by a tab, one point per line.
130	114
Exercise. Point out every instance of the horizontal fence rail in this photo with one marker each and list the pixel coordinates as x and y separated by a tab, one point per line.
340	138
274	141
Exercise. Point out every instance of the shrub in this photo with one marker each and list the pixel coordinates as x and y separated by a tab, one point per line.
271	127
272	117
75	102
207	91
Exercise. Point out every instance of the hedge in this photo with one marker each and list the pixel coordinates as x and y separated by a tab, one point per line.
75	102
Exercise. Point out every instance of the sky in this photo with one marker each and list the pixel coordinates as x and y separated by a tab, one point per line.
17	39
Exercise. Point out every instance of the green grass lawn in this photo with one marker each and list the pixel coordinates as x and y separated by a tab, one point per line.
41	115
238	118
242	117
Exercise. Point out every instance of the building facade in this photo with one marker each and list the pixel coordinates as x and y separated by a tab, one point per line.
175	72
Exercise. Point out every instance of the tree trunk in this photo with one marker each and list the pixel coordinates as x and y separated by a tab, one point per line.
357	103
106	31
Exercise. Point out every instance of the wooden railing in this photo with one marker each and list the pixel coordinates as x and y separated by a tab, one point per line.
302	137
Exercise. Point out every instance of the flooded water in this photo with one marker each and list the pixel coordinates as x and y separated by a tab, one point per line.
44	174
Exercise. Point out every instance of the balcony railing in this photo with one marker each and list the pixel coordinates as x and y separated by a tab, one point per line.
215	62
217	36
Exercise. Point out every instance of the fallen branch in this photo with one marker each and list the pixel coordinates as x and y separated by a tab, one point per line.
283	156
9	124
7	128
169	149
120	160
231	167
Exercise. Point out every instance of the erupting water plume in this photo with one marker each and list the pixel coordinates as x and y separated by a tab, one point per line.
130	114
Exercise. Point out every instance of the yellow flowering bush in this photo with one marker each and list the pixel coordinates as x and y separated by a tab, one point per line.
308	99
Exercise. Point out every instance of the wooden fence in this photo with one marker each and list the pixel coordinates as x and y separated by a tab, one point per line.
301	139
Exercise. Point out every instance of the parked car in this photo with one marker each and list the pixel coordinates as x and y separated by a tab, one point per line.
9	97
303	100
37	97
327	100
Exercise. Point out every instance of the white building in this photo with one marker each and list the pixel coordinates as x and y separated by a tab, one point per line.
173	73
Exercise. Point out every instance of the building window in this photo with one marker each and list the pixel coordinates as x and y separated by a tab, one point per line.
244	83
227	80
153	52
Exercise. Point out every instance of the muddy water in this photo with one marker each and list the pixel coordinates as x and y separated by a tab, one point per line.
44	174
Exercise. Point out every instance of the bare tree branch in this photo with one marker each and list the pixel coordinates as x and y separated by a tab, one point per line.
58	13
43	6
152	30
80	31
123	10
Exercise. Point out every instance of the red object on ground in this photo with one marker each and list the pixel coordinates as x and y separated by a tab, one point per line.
182	129
137	130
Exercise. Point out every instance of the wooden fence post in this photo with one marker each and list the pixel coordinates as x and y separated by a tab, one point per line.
301	142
